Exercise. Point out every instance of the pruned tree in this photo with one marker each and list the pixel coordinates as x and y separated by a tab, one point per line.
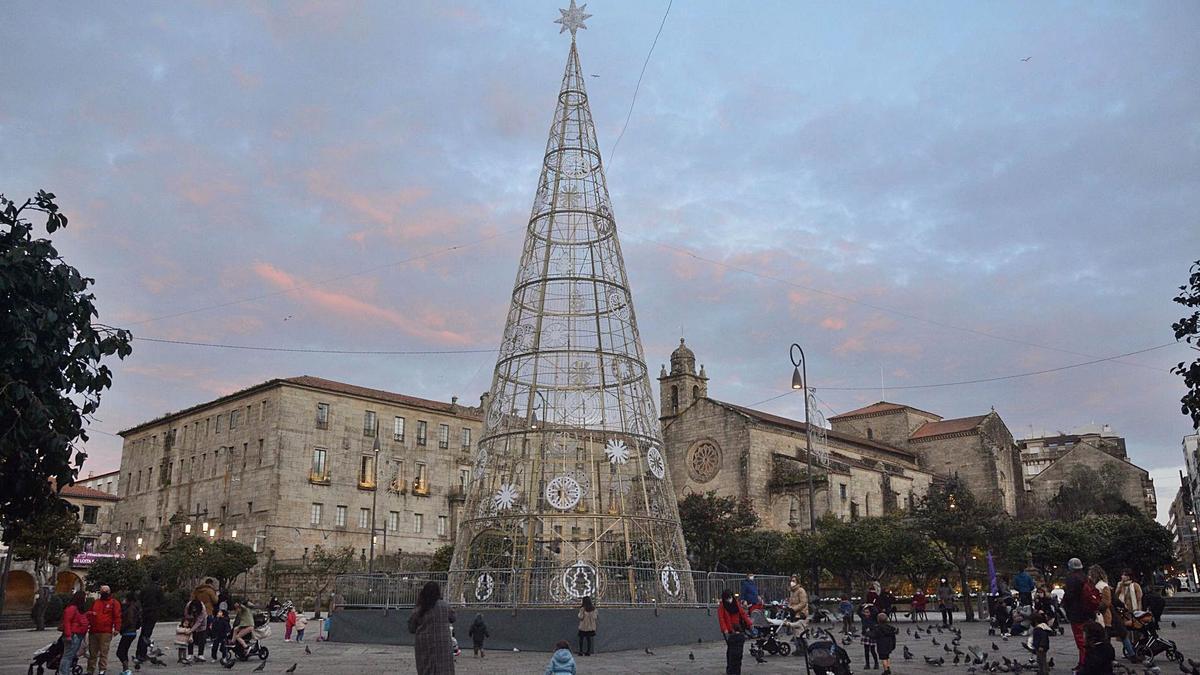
51	366
46	541
957	524
1187	329
323	566
711	527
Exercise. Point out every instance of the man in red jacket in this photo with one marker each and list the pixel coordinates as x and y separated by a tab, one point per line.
106	621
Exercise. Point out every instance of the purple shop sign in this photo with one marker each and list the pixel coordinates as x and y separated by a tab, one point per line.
87	558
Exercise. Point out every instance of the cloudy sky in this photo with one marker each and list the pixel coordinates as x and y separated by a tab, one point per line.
919	193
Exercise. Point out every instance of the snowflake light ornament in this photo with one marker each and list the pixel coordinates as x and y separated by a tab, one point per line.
506	497
654	460
616	451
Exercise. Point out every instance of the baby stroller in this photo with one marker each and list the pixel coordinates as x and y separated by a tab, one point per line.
769	639
1146	642
48	657
824	656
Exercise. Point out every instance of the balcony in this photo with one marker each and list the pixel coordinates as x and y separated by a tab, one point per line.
318	477
366	483
421	488
457	493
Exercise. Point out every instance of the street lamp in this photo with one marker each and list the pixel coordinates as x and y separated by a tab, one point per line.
374	499
800	381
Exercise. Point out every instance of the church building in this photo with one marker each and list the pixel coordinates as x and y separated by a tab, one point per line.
736	451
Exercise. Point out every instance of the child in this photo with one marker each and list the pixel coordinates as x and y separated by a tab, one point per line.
562	662
885	642
183	638
478	632
1040	641
301	624
220	631
288	624
869	622
847	611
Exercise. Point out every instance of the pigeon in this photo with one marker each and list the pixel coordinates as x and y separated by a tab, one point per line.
699	640
261	666
908	631
691	656
1050	662
934	640
995	647
307	650
907	653
935	662
947	648
1027	58
991	631
956	640
1173	625
957	660
972	669
292	669
648	652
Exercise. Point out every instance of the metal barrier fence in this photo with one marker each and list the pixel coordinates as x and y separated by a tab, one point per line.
550	587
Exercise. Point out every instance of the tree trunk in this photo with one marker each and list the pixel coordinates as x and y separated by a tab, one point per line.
966	593
4	577
43	595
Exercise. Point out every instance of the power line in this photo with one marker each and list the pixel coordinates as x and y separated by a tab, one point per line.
612	153
890	310
981	380
312	284
299	350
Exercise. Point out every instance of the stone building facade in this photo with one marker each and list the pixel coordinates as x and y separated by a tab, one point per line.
736	451
1185	532
290	464
1049	461
979	449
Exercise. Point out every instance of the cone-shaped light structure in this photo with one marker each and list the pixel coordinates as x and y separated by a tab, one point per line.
570	494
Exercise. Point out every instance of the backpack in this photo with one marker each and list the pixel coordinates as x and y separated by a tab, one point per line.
1090	596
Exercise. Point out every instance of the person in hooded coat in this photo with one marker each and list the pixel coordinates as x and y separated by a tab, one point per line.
478	633
430	622
561	662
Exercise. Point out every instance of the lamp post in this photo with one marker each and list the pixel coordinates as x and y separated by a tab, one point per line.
374	499
800	381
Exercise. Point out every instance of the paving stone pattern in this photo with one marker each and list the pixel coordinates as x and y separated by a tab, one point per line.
17	645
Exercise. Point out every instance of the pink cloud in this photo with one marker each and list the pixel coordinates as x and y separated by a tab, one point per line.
833	323
426	323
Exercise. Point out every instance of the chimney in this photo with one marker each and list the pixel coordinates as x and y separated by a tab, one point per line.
453	404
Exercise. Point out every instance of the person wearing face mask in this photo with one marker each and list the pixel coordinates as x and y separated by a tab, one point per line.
797	598
106	621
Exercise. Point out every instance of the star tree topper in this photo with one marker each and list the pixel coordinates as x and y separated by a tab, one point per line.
572	19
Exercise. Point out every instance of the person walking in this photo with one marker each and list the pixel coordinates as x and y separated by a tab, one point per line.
798	598
152	604
885	641
75	625
1080	602
870	621
196	614
131	620
478	633
1024	585
846	609
587	626
561	661
1099	579
945	596
430	623
105	622
734	622
750	593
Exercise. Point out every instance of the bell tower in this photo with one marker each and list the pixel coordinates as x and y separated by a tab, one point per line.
683	386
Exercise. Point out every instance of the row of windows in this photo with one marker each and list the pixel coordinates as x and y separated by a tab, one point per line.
371	428
133	482
364	519
319	473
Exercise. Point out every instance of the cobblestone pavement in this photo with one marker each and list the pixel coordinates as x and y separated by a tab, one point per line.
331	657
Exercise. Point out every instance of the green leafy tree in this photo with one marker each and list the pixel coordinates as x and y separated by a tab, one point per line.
180	562
919	562
51	371
1134	542
322	567
441	558
758	551
1187	329
226	560
958	524
1047	545
870	548
46	541
119	574
712	526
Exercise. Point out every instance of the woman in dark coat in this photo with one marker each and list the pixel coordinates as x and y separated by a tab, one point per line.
430	622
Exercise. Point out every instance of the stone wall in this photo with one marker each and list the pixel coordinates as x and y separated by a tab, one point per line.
1116	476
706	422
